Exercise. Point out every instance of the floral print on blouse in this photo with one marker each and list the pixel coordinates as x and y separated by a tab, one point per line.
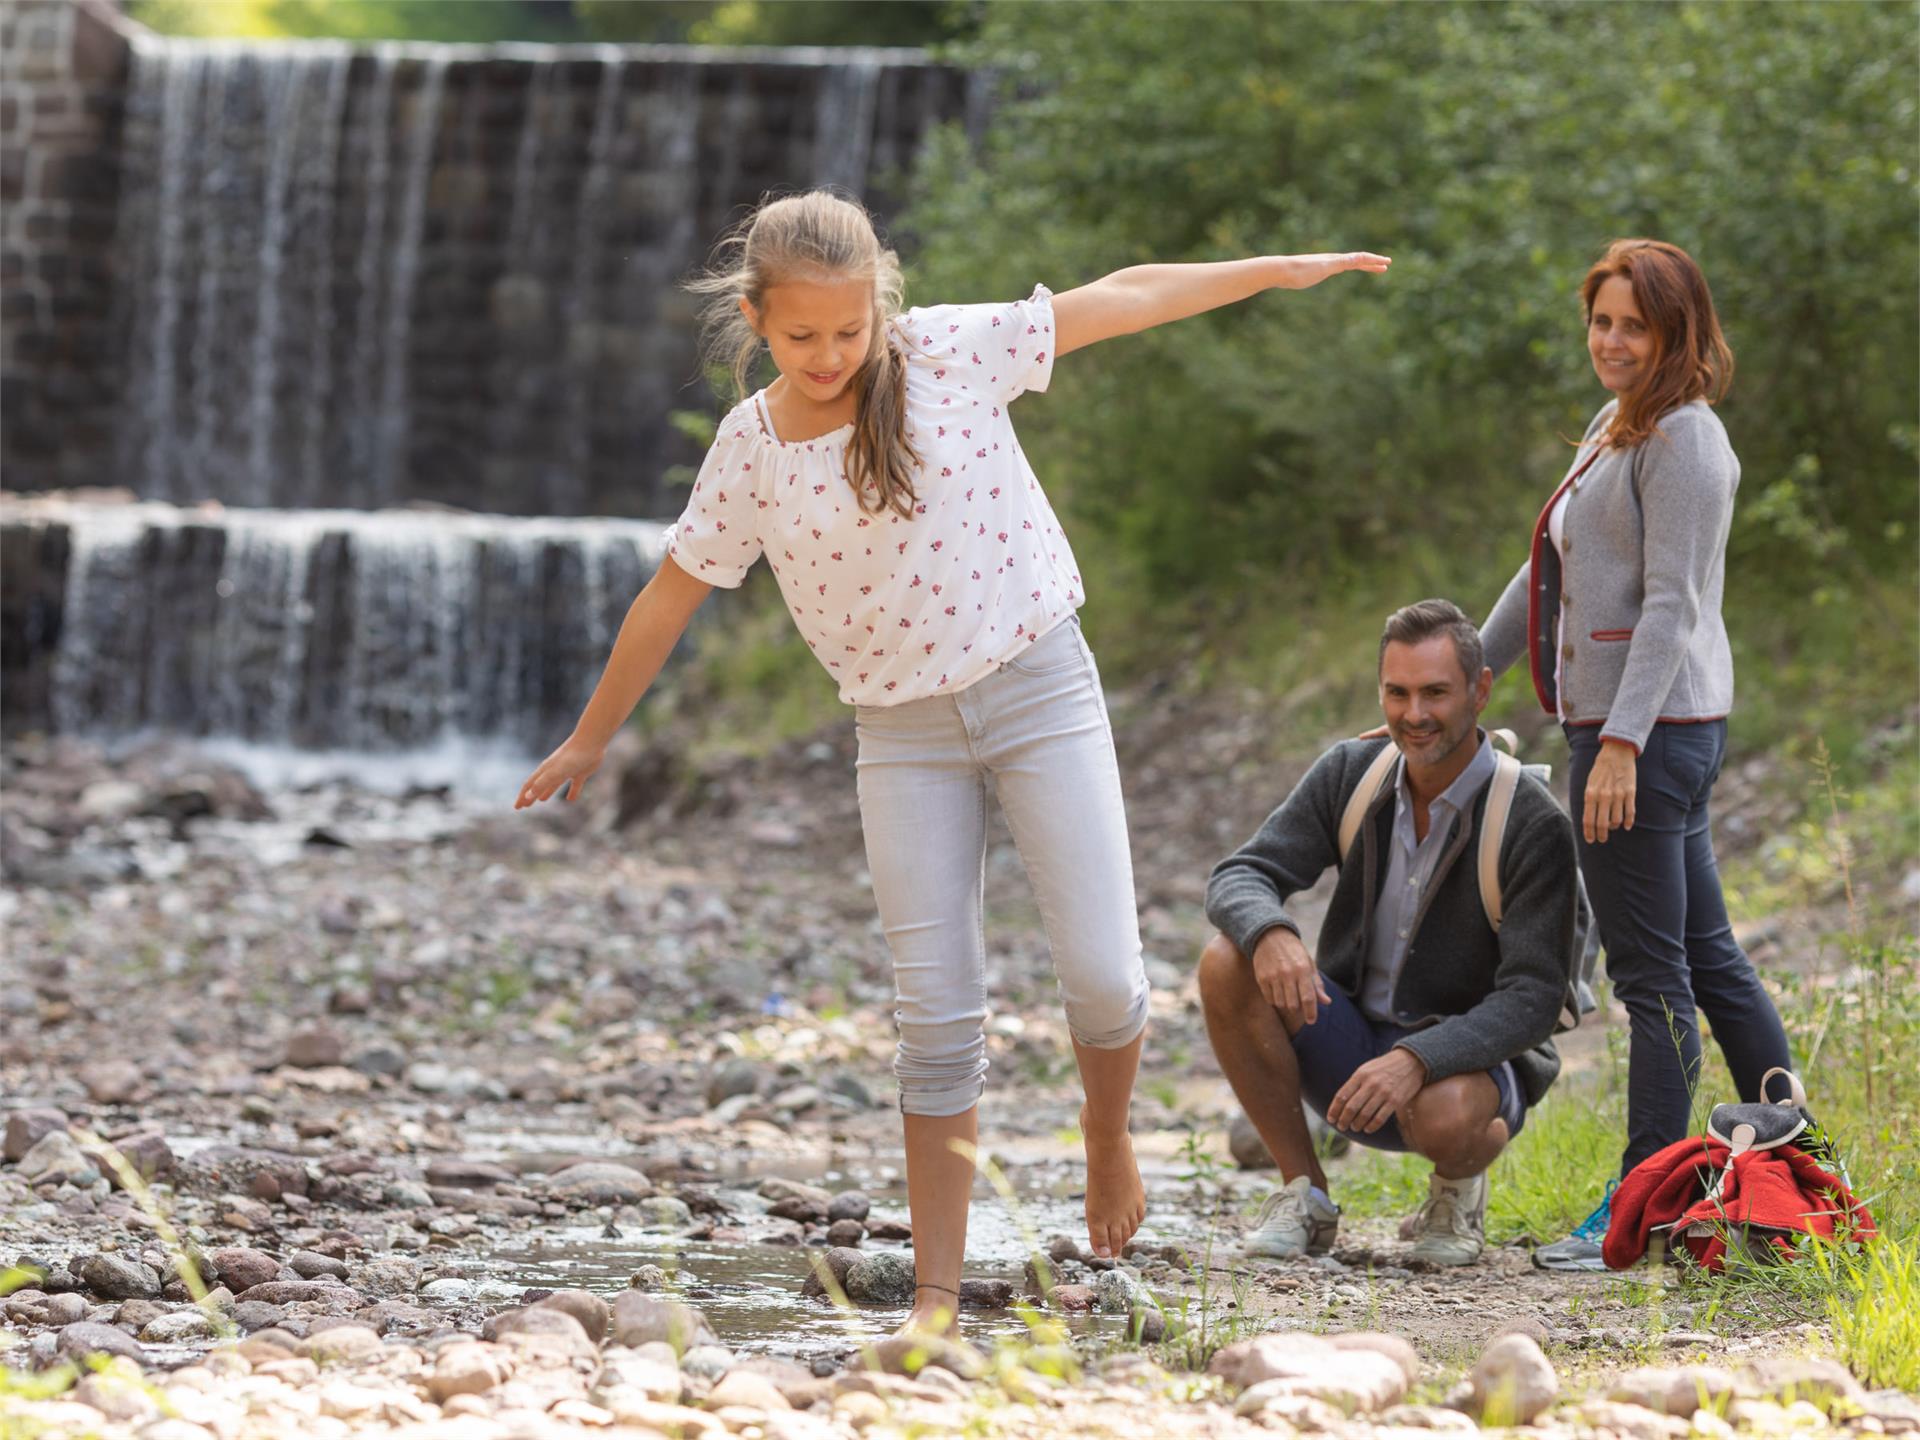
897	609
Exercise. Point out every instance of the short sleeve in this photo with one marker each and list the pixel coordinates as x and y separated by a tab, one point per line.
1004	348
717	537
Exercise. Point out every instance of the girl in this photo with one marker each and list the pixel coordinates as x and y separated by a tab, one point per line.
1627	647
880	476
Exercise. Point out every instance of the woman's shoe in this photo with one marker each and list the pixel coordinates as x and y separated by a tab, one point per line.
1581	1249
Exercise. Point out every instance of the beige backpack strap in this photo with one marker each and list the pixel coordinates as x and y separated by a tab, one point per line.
1493	829
1506	738
1363	796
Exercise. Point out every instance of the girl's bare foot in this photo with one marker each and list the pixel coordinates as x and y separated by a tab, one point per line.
1116	1200
935	1313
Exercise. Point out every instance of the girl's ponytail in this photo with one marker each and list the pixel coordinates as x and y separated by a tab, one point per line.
820	236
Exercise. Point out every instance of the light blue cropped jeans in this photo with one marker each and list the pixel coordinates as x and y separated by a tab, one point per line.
1036	731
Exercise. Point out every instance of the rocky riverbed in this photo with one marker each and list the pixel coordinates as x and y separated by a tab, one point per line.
479	1124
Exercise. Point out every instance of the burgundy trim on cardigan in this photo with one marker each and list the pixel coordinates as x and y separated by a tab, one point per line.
1540	538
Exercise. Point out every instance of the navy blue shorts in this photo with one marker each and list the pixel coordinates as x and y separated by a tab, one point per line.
1341	1039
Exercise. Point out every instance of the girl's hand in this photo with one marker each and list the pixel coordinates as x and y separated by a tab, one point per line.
570	765
1609	802
1300	272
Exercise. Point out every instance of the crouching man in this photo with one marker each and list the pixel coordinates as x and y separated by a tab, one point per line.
1419	1025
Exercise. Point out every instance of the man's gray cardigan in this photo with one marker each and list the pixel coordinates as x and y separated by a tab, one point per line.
1637	602
1475	998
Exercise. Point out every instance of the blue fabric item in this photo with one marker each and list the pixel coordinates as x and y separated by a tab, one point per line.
1594	1227
1341	1039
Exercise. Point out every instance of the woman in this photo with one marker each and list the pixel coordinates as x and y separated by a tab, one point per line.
1618	613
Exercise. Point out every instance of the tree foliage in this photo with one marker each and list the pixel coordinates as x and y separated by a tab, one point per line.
1492	150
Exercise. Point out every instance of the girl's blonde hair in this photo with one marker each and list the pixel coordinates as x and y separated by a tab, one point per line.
820	237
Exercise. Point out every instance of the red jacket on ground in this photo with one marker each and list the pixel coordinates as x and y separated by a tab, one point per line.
1775	1195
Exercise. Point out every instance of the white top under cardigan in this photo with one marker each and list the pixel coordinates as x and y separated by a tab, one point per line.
896	609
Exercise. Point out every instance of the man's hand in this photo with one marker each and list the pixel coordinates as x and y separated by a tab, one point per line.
1376	1091
1287	976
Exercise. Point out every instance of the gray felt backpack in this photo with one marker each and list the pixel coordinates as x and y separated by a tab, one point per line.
1507	771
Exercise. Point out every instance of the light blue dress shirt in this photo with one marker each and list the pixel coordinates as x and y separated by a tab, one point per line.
1410	867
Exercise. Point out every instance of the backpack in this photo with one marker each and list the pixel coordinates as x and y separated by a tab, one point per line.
1507	771
1764	1176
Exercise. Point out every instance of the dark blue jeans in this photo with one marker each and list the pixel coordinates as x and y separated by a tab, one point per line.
1656	894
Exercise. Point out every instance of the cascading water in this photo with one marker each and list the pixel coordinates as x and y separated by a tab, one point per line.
435	277
364	278
327	629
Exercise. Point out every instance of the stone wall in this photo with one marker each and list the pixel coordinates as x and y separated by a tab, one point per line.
63	70
314	276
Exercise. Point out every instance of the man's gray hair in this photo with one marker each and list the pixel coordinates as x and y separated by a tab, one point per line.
1411	624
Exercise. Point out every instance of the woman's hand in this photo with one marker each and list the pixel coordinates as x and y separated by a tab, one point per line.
1301	272
1609	802
570	765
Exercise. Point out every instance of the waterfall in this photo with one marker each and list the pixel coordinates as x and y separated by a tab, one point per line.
363	277
378	630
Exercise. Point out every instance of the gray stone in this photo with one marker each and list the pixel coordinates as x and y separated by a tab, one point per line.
838	1261
287	1292
734	1077
640	1318
177	1327
314	1046
1673	1390
469	1174
597	1182
311	1265
117	1277
534	1320
85	1337
707	1362
1304	1367
1511	1382
1825	1384
254	1315
25	1128
846	1233
1249	1151
466	1368
1391	1346
849	1205
338	1342
883	1278
664	1212
53	1157
387	1276
1116	1292
651	1371
777	1188
110	1082
593	1313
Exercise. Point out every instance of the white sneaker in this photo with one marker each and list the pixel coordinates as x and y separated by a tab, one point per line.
1295	1220
1451	1228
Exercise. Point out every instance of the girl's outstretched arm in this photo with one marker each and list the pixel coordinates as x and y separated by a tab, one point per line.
652	628
1143	296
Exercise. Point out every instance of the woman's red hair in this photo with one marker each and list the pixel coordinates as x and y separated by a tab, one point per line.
1691	360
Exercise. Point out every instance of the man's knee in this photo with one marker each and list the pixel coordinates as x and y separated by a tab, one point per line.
1450	1115
1225	977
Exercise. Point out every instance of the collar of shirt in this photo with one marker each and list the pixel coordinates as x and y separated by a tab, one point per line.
1456	797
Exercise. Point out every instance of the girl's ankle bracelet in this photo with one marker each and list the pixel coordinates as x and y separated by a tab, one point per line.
929	1285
